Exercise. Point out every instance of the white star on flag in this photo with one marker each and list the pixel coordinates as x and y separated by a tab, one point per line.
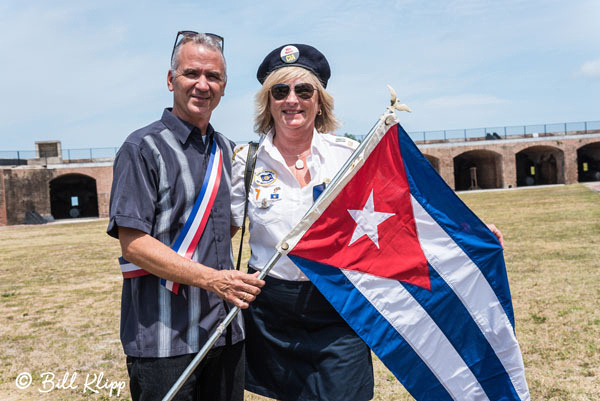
367	221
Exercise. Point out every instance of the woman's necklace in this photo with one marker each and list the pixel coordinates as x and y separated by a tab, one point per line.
299	162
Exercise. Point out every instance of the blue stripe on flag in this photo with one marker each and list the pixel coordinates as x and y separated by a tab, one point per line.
454	320
375	330
461	224
199	199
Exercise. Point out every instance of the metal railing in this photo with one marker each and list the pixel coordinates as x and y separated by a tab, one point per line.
69	155
505	132
452	135
502	132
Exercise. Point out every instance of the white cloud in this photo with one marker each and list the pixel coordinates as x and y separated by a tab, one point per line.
590	69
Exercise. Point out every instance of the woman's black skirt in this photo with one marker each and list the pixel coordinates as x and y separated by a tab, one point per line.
299	348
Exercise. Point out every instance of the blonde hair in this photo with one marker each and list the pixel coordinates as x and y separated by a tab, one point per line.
263	122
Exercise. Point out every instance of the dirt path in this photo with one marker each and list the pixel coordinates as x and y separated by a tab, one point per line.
594	185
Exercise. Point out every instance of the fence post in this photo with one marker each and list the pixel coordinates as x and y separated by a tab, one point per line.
465	132
18	157
545	129
565	128
585	126
444	135
91	158
504	132
424	136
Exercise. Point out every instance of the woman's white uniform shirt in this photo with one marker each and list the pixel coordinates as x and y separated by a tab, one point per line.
276	203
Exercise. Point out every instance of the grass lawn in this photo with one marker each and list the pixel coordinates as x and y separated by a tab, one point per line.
60	296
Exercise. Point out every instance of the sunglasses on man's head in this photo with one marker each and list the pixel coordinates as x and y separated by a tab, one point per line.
303	91
184	34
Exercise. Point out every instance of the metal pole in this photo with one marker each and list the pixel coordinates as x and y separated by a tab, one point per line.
214	337
233	313
504	132
18	158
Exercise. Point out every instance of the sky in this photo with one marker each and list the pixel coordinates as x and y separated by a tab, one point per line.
89	73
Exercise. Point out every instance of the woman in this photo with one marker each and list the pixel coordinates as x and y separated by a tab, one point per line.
297	346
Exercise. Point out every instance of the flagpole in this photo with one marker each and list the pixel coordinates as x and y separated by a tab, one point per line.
383	119
263	273
336	178
214	337
387	118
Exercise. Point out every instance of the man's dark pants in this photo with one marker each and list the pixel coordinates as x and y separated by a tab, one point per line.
219	377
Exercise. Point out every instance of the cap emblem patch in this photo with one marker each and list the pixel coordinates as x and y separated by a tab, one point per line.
289	54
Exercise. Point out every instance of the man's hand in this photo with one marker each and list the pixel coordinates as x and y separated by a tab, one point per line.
497	233
155	257
235	287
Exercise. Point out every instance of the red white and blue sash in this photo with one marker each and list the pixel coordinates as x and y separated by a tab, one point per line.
194	226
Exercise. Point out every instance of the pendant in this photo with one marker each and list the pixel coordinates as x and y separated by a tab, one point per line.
299	164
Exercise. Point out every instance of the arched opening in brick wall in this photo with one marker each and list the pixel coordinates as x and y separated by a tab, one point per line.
73	196
588	162
540	165
435	162
477	169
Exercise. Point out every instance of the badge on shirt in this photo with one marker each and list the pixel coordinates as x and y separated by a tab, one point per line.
318	190
274	194
265	177
266	197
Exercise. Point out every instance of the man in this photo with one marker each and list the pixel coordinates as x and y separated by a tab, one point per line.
165	175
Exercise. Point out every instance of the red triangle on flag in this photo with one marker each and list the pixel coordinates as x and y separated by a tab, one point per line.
392	250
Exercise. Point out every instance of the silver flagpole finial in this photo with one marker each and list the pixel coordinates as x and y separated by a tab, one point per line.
394	104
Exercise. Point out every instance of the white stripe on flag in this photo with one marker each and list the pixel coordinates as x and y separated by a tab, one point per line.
185	244
129	267
474	291
405	314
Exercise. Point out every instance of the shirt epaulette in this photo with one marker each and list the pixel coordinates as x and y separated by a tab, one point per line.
341	141
238	149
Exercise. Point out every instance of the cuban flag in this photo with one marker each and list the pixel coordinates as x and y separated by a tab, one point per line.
414	272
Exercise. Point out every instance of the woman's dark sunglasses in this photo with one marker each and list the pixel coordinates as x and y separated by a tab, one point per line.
303	91
184	34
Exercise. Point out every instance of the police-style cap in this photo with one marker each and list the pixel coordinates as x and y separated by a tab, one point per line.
295	55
